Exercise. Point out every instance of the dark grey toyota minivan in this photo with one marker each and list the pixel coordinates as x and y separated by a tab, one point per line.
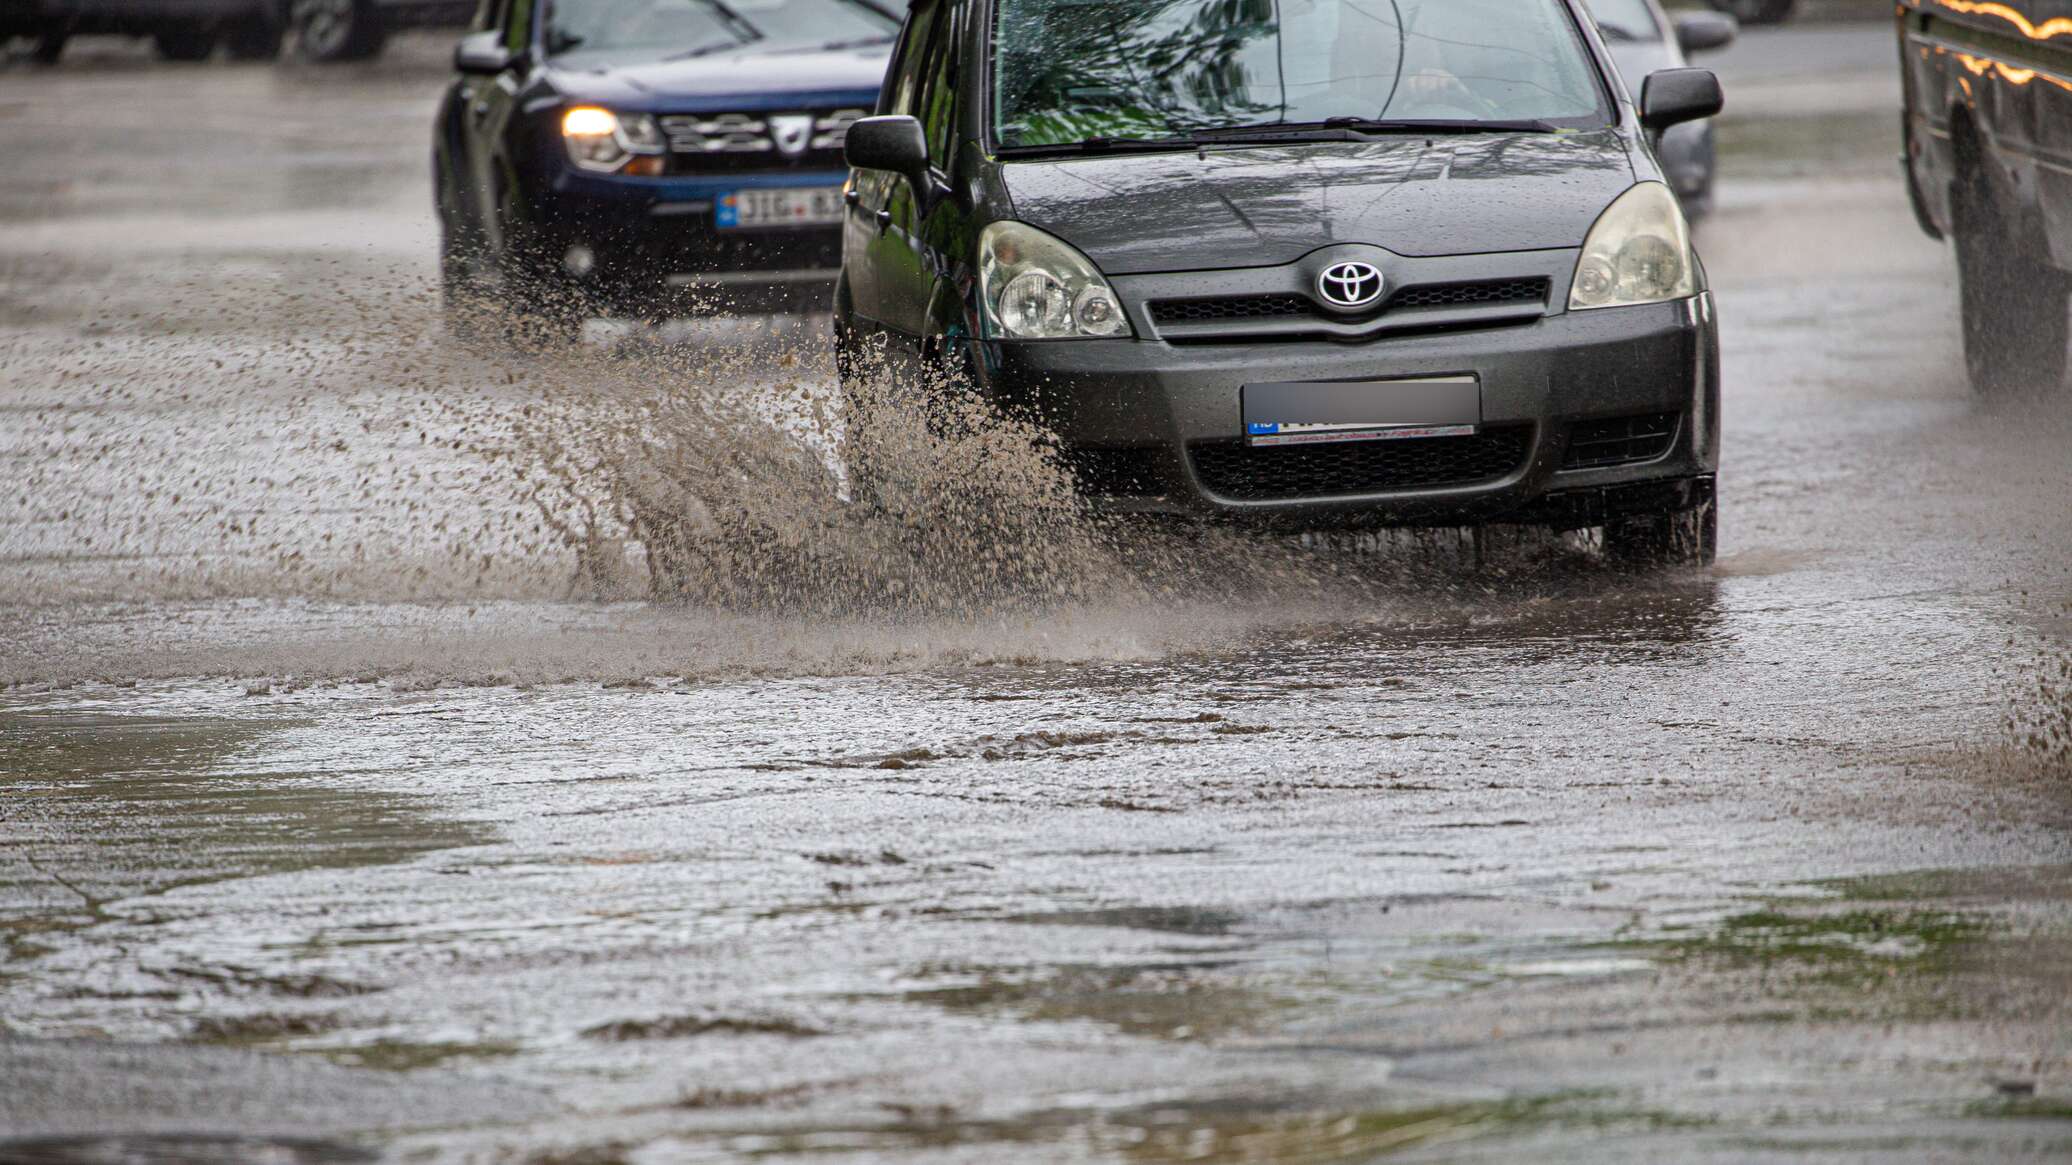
1312	262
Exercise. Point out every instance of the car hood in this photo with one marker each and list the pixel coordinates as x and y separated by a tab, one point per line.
737	80
1262	206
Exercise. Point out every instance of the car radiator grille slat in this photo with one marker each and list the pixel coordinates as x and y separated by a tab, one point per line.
1235	470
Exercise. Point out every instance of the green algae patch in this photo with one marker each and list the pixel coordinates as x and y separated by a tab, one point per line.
1841	946
403	1056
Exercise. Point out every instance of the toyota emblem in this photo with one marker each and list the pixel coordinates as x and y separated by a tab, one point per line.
1351	286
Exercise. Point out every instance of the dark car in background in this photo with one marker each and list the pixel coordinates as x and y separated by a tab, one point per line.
1329	263
645	157
1757	11
1645	40
1988	92
192	30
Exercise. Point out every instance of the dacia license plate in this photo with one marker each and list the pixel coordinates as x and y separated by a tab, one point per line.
1333	411
782	206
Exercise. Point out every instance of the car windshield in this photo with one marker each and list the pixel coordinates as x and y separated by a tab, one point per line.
1625	19
687	28
1069	71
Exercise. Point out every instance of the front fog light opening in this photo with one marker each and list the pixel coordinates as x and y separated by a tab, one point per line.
1037	287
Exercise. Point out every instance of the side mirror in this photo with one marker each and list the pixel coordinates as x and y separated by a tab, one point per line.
1674	96
894	144
1704	32
482	54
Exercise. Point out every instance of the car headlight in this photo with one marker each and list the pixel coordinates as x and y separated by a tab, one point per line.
1639	252
600	140
1036	287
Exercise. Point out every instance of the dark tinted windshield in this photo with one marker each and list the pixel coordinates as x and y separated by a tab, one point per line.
695	27
1068	70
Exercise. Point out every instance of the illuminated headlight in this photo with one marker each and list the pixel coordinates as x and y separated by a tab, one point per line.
1036	287
1639	252
600	140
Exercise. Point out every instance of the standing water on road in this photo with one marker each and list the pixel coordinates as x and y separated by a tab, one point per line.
361	797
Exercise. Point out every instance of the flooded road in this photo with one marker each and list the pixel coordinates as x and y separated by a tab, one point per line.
356	804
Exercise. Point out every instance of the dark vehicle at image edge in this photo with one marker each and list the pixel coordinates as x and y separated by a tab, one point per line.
1321	270
192	30
1989	165
644	157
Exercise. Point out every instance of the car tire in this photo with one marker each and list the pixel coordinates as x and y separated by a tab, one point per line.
853	385
2014	309
1757	11
467	296
544	308
184	44
330	31
1675	538
49	47
254	38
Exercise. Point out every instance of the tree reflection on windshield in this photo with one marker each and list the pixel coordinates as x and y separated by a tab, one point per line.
1071	70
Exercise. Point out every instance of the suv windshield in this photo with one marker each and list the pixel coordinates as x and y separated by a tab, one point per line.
1627	19
1066	71
688	28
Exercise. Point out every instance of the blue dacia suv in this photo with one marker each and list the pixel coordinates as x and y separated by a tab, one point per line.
645	157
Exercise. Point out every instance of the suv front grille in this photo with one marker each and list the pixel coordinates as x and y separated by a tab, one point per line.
1619	441
728	140
1233	469
1239	309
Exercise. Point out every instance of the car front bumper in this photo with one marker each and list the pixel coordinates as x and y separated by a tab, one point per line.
654	243
1157	428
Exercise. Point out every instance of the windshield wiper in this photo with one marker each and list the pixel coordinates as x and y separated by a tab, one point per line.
1101	145
1616	32
836	46
1331	129
1358	128
706	50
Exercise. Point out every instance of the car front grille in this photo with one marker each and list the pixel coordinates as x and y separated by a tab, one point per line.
708	141
1471	294
1619	441
1235	470
1236	307
1242	309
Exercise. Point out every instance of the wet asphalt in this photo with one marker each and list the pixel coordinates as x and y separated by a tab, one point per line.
351	807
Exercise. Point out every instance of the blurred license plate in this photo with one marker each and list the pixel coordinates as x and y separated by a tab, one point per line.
785	207
1327	412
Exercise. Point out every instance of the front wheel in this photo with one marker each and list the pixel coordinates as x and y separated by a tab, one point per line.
2014	309
336	30
1670	539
